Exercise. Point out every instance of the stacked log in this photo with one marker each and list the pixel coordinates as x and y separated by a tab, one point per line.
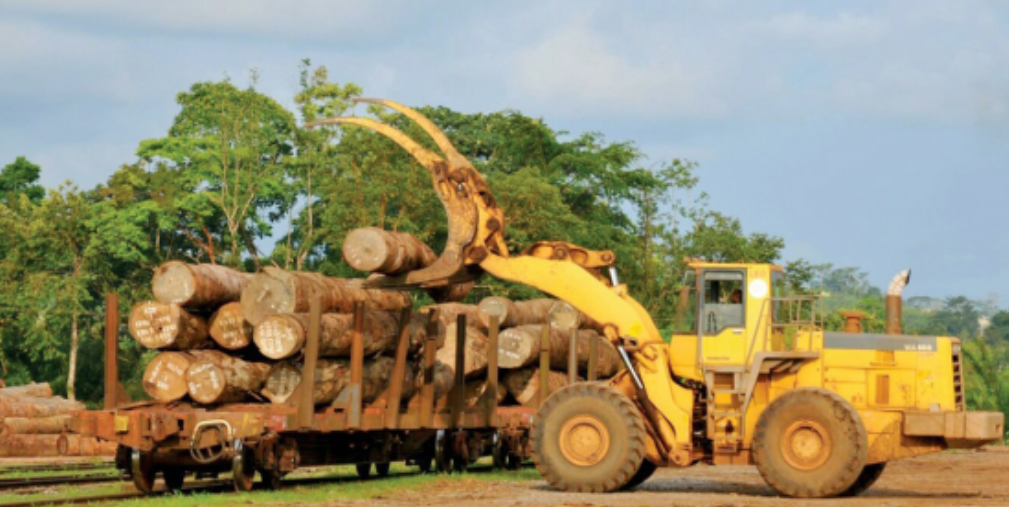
34	423
520	346
332	377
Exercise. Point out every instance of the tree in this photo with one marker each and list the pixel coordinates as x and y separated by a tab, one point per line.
227	149
20	177
997	331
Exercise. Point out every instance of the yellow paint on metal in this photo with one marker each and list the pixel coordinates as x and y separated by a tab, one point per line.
122	424
584	440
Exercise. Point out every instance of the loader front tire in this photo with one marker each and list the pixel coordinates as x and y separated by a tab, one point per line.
588	438
810	443
870	474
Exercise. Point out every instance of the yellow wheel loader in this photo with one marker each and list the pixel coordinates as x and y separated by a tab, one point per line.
749	377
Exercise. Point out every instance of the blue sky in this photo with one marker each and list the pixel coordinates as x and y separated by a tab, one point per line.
870	134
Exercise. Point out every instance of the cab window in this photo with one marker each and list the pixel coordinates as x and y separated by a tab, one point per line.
724	301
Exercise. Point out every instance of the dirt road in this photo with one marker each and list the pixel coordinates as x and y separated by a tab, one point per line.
949	479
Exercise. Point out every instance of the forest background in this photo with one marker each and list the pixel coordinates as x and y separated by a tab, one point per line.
238	180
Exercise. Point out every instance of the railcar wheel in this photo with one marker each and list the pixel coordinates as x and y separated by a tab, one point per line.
363	470
243	469
423	464
142	471
870	474
272	478
442	454
588	438
810	443
382	469
644	473
174	477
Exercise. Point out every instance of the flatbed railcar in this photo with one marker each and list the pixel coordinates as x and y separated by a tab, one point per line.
180	438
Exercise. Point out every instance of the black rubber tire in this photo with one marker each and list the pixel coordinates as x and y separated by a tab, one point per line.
644	473
174	477
870	474
363	470
382	469
625	428
838	470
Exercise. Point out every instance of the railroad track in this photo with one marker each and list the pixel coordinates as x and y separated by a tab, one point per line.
218	486
59	467
26	482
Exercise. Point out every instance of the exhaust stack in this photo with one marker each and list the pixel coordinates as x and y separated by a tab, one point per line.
894	301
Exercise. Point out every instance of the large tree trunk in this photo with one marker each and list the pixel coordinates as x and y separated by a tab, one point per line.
229	328
53	425
219	378
165	376
79	445
37	407
168	327
332	376
515	313
74	343
374	250
198	285
283	336
475	354
520	346
33	390
275	291
524	384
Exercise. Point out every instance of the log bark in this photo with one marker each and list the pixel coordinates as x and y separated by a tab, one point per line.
167	326
374	250
165	377
515	313
34	390
450	293
332	376
283	336
475	355
229	328
446	313
476	388
26	406
48	446
198	285
53	425
275	291
524	384
219	378
520	346
444	379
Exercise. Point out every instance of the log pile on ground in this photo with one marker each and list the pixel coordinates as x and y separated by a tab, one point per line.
33	422
224	336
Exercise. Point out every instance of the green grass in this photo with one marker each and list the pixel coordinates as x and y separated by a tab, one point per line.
402	478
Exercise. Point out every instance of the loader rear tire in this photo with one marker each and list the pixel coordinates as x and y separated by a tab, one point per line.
644	473
810	443
588	438
870	474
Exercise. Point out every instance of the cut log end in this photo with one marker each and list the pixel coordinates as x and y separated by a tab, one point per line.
159	325
367	249
279	336
229	328
165	376
281	383
268	294
206	382
174	282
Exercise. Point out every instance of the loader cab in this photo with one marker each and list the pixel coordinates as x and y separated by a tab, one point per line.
723	315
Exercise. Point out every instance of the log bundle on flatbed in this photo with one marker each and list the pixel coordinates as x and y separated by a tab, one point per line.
224	336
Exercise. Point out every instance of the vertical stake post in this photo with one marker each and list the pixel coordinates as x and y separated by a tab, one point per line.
357	367
111	351
398	371
306	407
427	390
573	356
459	400
544	363
492	370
